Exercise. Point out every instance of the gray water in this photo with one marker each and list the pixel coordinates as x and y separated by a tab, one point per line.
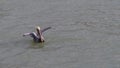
84	34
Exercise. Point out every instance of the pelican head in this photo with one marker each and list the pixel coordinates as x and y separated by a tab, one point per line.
38	30
37	27
39	33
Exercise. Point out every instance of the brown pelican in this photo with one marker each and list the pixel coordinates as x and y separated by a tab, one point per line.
37	36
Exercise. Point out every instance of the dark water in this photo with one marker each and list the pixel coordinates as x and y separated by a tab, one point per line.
84	34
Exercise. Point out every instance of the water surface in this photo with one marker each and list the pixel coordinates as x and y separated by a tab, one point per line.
84	34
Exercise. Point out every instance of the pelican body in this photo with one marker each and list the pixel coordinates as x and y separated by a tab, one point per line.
37	36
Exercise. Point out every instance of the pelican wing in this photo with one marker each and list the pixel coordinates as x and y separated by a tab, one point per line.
26	34
45	29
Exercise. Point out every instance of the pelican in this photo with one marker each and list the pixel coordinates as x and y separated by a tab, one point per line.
37	36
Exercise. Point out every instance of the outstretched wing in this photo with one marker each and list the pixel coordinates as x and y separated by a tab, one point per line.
45	29
26	34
